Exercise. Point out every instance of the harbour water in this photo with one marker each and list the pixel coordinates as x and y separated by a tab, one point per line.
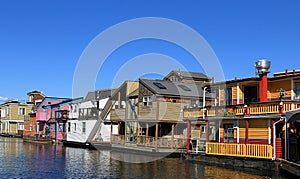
28	160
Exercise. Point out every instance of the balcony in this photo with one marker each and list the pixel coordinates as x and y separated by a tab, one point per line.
260	108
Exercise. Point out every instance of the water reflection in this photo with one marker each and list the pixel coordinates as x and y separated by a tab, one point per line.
27	160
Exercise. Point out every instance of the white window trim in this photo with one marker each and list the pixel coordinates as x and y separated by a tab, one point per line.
147	100
19	111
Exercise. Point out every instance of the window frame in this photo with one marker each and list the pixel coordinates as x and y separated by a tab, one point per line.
147	100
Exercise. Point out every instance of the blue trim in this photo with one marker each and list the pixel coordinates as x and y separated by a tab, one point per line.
49	98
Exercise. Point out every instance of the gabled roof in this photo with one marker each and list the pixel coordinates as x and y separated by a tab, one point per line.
165	87
98	94
185	74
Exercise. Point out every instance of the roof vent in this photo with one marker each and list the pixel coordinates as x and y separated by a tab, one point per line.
262	66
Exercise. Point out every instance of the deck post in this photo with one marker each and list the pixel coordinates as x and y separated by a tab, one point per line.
147	134
147	130
188	135
246	131
206	131
156	135
172	139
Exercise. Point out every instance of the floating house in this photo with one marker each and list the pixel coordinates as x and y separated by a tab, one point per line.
12	117
31	125
149	112
83	117
255	117
43	114
57	118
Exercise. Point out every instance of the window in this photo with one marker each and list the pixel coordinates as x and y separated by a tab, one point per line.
31	127
228	133
229	96
69	127
159	85
83	127
297	90
22	111
185	88
3	112
74	127
147	100
21	126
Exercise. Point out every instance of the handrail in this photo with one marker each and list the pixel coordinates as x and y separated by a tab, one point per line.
240	150
258	108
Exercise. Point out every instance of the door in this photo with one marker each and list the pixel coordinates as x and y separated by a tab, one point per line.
250	94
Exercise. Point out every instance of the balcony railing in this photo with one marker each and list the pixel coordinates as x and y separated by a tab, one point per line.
260	108
240	150
162	142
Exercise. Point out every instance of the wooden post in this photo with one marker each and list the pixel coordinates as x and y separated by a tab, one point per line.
111	131
119	128
207	131
147	134
246	131
156	135
172	139
188	135
147	130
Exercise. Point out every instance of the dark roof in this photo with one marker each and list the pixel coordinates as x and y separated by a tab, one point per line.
36	92
175	88
185	74
101	94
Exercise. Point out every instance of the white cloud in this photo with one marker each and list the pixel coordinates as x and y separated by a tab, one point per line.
3	98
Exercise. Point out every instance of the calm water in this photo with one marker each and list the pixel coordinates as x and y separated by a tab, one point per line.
26	160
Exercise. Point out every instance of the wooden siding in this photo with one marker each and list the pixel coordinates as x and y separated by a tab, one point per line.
147	112
131	87
169	111
275	86
258	129
117	115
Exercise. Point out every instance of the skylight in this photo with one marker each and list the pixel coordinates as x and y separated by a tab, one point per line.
159	85
185	88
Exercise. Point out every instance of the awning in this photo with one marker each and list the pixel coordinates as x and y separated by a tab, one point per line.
293	115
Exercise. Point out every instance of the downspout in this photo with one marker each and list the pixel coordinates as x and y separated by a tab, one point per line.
274	137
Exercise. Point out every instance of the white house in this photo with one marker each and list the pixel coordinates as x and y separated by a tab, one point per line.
83	116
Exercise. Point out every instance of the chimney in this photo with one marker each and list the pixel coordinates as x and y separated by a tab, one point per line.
262	67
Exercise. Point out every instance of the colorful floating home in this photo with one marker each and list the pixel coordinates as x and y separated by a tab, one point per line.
12	117
43	114
252	117
31	125
57	117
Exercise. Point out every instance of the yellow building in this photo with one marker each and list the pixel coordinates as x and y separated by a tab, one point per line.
13	114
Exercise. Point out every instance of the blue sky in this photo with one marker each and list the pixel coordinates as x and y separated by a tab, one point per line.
42	41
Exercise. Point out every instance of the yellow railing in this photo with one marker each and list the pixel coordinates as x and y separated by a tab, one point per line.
265	108
240	150
258	108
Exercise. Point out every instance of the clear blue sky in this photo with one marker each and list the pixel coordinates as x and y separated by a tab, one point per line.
41	41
